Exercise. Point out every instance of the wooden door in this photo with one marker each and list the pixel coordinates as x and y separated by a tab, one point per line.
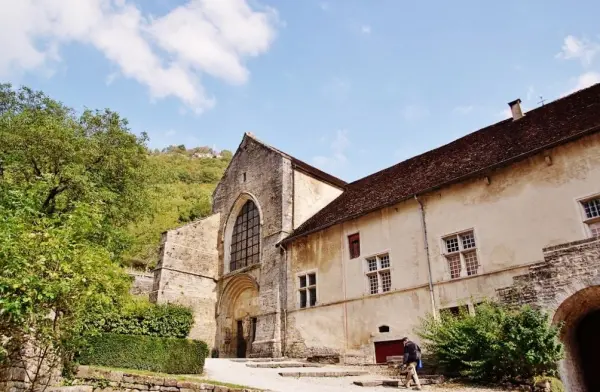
241	342
388	348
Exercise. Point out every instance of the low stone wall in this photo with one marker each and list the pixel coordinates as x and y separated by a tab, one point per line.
111	380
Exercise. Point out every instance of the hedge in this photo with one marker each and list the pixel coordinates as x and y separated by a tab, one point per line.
140	317
164	355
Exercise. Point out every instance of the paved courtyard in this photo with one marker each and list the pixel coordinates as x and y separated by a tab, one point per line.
225	370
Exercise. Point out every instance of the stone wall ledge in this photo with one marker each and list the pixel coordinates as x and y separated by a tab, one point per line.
570	244
91	379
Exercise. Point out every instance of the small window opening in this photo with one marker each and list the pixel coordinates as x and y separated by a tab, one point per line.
253	329
384	328
354	245
244	177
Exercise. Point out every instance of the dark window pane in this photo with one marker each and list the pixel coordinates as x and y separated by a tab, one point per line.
312	279
354	245
303	299
245	238
303	281
313	296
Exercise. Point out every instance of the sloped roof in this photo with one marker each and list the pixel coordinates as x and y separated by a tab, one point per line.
497	145
303	166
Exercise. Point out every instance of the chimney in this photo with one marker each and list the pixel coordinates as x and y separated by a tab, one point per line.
515	108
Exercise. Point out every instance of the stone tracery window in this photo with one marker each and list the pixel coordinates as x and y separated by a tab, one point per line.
245	240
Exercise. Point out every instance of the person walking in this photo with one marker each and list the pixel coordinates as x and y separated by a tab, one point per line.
412	356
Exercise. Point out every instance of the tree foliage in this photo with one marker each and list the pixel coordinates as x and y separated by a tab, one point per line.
496	344
180	191
69	187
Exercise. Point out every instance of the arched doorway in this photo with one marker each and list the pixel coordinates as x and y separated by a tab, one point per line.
237	318
580	315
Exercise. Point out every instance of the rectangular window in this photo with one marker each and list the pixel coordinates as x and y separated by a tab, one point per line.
591	210
307	289
379	277
456	311
461	254
354	245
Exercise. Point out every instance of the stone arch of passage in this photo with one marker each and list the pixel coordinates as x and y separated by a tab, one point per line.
579	315
245	201
238	310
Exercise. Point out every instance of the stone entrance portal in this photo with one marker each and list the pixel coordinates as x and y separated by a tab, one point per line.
580	315
237	312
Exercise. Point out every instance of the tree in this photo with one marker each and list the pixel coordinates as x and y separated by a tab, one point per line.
498	343
70	185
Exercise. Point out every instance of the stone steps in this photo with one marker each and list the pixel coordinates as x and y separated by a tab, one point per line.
283	365
424	379
335	373
242	360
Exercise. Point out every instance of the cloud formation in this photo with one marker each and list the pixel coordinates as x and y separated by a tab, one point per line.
337	159
168	54
582	49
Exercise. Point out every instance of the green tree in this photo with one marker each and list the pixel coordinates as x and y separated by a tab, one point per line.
497	343
70	186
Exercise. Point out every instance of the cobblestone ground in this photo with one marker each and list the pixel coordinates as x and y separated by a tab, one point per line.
225	370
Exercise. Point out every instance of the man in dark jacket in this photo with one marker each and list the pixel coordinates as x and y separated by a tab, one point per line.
412	355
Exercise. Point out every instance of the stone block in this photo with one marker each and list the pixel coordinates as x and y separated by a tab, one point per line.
170	382
169	389
140	387
72	388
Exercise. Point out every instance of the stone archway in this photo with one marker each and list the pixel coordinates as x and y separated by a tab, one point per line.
580	315
238	309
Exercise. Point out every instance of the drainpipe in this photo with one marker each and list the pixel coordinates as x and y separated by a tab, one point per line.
426	241
285	288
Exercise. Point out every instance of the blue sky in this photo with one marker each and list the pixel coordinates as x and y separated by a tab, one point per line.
351	86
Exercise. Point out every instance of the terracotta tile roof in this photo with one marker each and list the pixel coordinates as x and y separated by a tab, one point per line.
497	145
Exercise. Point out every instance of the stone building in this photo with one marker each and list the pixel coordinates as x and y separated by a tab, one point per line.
296	262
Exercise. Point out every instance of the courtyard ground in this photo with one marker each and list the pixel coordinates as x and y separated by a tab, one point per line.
225	370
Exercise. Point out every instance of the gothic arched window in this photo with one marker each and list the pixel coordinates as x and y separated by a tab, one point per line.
245	240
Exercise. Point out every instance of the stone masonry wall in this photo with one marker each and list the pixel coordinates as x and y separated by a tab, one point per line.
187	273
566	269
100	380
260	174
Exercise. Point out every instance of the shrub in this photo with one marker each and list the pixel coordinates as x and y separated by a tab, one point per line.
140	317
164	355
555	384
495	344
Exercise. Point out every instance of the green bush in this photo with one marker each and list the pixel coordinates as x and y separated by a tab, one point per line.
164	355
140	317
555	384
496	344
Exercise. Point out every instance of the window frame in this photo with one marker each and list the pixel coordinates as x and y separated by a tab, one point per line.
307	289
462	253
590	224
240	238
350	237
378	272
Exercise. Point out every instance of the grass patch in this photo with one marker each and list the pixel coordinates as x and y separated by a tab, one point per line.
192	378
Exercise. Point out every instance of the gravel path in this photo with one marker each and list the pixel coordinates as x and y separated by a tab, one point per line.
228	371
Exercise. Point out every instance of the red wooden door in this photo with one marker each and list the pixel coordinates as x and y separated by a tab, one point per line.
387	349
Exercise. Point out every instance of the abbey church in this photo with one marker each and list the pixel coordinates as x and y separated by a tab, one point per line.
296	262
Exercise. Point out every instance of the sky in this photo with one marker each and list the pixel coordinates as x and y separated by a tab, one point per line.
350	86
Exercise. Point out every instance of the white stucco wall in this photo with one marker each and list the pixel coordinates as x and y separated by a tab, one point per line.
310	195
524	208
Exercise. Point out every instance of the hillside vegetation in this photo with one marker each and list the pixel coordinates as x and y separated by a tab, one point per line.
180	186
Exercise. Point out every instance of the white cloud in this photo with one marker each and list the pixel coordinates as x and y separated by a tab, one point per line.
324	5
414	112
168	54
504	114
581	49
170	132
464	110
583	81
365	29
530	92
337	159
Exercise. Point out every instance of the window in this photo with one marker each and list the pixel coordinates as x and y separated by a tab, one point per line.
461	254
245	240
456	311
354	245
384	328
591	210
244	176
379	277
253	329
308	289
